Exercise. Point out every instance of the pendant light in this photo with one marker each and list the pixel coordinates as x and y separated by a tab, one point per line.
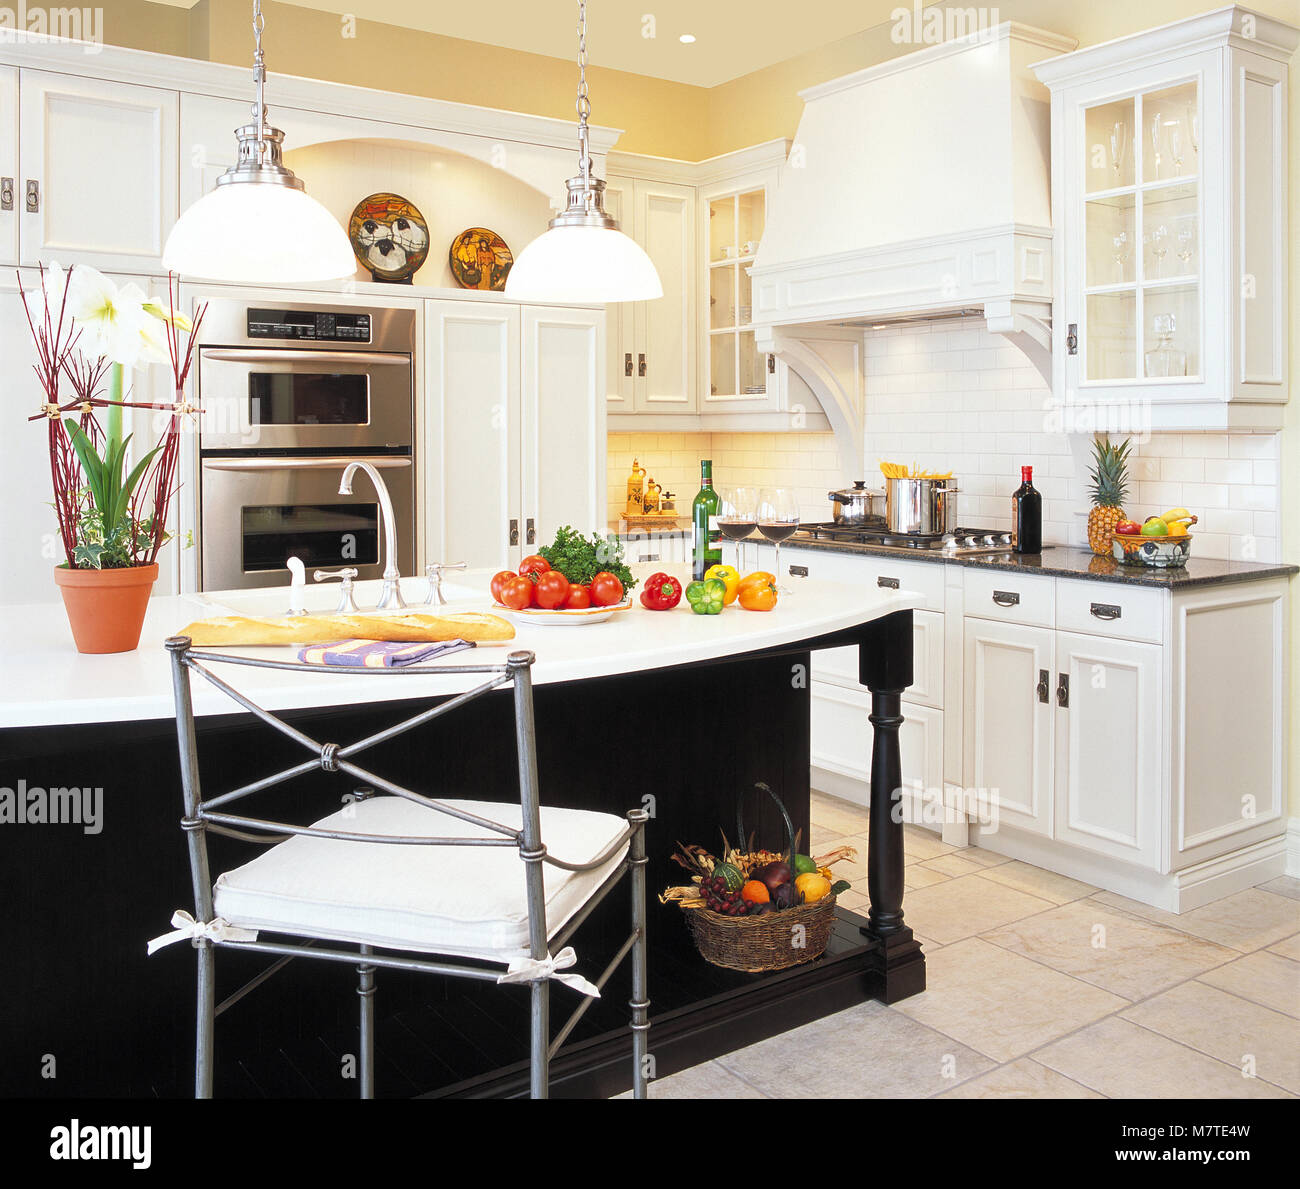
583	257
259	224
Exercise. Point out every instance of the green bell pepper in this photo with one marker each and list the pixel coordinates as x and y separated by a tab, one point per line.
706	597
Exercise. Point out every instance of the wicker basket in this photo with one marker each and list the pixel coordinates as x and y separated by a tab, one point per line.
772	941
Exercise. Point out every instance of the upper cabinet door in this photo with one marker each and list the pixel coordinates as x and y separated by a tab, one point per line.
99	171
665	349
563	472
10	187
620	317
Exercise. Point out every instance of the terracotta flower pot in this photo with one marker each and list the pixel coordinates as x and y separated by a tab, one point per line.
106	607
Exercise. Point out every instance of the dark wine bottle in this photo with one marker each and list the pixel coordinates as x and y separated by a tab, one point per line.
1027	514
707	548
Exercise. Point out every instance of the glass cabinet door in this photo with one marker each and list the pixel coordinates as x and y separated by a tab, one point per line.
737	370
1141	222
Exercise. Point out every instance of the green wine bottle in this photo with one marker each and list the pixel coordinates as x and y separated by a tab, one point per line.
707	548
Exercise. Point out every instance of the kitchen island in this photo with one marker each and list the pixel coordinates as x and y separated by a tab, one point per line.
678	712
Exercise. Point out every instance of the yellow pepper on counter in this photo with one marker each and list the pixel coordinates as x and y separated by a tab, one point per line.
730	578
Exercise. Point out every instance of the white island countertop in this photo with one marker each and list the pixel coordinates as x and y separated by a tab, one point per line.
45	682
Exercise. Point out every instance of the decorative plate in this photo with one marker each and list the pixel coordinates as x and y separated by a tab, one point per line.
480	259
564	617
389	236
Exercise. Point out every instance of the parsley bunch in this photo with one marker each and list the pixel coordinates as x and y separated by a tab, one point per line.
581	558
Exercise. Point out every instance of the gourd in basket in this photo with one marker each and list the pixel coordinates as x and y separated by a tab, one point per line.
758	910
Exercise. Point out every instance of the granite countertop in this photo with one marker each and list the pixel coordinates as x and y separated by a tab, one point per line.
1066	561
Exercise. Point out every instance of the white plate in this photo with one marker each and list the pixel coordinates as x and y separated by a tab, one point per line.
564	617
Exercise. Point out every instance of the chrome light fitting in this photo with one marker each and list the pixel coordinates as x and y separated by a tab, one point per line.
259	224
583	257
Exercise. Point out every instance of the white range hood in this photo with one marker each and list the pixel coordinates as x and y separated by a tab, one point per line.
915	189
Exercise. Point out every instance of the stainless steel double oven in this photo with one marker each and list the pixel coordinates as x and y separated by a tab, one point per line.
290	396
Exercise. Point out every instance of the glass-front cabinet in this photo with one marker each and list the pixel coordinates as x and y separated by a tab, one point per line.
1169	205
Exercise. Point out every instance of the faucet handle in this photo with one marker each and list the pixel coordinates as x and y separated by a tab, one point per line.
433	571
346	602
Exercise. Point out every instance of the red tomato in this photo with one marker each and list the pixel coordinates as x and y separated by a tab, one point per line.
534	563
606	589
517	594
498	583
552	589
579	597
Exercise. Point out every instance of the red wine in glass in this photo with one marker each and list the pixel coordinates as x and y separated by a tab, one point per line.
778	520
737	516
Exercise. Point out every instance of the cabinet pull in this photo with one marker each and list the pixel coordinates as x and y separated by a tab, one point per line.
771	365
1106	610
33	196
640	364
530	536
627	364
6	194
514	532
1043	678
1072	339
798	571
1006	598
887	583
1063	690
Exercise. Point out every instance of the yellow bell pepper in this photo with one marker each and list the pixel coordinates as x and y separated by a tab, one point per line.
730	578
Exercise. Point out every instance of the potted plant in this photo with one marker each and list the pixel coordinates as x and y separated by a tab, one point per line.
111	507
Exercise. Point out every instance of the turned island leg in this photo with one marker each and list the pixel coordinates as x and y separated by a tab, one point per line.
885	668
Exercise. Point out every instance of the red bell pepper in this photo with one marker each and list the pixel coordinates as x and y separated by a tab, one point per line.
662	592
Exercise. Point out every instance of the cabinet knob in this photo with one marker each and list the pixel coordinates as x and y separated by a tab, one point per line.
6	194
33	196
530	535
1072	339
1043	678
640	364
1063	690
514	532
627	364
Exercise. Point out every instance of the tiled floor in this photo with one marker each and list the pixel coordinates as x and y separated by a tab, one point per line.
1043	987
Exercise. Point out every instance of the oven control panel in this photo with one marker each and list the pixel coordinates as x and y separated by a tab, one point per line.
338	326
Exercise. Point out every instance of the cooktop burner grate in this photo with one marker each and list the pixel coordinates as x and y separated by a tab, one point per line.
963	541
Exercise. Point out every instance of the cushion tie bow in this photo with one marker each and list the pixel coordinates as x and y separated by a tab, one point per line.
527	970
186	928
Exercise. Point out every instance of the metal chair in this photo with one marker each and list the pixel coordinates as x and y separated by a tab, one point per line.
401	900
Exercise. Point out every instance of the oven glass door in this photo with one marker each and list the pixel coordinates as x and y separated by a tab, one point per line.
257	399
258	512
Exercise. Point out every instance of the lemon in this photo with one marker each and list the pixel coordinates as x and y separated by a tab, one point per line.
812	886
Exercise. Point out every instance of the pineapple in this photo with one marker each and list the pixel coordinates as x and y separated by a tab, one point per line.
1109	487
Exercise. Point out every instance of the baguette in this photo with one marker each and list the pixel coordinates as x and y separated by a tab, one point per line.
242	630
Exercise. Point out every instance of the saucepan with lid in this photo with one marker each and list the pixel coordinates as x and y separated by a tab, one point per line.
857	505
922	507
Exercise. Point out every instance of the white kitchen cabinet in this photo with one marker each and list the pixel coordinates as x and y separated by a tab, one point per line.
1169	195
651	362
98	169
1008	721
1109	744
514	428
10	189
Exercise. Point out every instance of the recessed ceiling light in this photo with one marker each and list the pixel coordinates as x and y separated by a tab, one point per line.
687	38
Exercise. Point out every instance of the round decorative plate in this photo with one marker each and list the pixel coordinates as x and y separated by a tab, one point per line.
389	236
480	259
564	616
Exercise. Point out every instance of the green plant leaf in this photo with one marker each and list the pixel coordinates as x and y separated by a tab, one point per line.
91	466
124	497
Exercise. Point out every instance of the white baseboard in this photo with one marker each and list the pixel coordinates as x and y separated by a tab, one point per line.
1293	847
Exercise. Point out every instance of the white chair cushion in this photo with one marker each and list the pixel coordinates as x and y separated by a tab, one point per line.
466	901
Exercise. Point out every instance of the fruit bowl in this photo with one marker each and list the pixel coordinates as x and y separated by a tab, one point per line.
564	616
1157	552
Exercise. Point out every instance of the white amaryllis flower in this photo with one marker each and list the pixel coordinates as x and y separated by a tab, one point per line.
115	322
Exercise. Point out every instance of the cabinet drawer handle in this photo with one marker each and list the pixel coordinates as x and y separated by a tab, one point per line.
1106	610
1043	678
798	571
514	532
530	534
1063	690
771	365
6	194
33	196
640	364
627	364
887	583
1006	598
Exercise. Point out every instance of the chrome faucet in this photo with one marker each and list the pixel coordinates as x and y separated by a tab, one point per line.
391	595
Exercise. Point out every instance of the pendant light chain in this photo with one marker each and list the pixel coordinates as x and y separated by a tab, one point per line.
259	79
584	103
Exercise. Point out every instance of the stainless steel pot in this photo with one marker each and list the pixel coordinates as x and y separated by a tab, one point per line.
924	507
858	505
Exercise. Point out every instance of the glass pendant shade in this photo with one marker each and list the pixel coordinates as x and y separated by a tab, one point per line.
259	232
585	266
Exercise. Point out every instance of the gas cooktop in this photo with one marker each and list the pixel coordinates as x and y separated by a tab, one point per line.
962	542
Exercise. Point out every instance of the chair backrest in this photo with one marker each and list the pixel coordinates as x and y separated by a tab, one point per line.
204	814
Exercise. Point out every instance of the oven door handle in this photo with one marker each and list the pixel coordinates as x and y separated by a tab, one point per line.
301	464
228	355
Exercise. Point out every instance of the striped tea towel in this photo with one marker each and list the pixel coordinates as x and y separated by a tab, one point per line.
377	654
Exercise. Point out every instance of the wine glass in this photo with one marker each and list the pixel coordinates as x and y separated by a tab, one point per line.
1176	146
1160	248
1157	123
1118	146
1186	237
1194	128
737	517
1123	250
778	519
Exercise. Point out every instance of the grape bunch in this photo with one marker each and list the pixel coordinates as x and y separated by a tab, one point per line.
713	890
